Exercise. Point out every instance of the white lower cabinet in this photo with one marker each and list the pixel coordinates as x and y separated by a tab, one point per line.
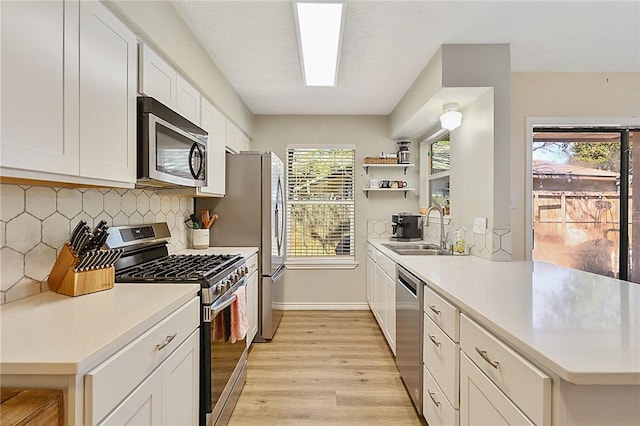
169	396
482	403
441	358
252	297
381	293
252	307
153	380
435	406
520	381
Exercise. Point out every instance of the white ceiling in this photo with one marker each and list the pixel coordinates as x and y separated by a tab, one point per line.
387	43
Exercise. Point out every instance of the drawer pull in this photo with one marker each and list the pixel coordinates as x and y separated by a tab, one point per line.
168	340
433	308
484	356
433	339
433	398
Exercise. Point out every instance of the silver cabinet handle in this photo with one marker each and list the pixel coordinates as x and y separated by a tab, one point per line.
484	356
433	339
433	397
433	308
168	340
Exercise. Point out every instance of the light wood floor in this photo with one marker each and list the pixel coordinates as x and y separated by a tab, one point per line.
324	368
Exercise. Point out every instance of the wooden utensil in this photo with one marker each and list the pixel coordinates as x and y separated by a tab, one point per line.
212	220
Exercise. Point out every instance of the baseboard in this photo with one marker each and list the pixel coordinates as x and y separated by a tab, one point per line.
322	306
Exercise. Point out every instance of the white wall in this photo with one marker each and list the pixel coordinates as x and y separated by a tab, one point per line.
572	95
472	164
158	23
336	288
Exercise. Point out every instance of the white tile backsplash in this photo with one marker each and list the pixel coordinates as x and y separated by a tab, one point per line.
492	245
35	221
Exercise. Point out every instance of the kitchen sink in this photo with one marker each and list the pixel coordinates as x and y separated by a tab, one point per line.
420	249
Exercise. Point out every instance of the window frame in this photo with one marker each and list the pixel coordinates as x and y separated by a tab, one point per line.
329	261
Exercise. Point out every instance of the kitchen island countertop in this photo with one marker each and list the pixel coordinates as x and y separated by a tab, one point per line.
581	326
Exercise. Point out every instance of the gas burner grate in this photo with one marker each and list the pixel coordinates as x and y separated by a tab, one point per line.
178	267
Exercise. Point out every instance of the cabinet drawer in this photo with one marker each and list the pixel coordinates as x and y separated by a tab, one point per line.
252	263
387	265
435	407
442	313
442	357
527	386
111	381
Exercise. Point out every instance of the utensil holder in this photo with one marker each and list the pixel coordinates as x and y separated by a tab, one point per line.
200	239
64	280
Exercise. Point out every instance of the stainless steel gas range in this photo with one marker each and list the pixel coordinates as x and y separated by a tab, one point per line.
222	354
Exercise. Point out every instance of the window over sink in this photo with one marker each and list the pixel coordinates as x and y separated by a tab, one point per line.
320	204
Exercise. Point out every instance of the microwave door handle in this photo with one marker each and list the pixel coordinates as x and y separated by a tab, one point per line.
195	147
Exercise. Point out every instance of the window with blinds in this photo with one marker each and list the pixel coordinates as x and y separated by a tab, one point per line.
320	202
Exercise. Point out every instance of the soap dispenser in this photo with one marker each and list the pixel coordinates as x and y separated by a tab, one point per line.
459	246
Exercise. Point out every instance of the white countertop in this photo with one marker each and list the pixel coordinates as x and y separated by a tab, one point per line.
50	333
581	326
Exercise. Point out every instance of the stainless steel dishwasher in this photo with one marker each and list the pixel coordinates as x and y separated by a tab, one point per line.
409	333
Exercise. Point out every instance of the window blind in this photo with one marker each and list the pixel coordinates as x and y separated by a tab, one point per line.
320	201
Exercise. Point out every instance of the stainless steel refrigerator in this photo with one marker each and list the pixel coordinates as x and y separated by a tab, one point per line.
252	214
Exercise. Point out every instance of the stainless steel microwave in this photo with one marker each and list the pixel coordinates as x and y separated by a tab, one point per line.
172	151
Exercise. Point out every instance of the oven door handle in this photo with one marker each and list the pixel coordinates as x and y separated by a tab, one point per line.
217	308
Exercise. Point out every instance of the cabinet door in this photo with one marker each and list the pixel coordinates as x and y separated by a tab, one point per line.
159	79
142	407
252	306
108	70
39	86
371	274
390	321
188	101
482	403
381	304
181	384
215	124
236	140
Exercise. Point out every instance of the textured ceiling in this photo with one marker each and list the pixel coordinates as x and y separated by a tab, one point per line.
387	43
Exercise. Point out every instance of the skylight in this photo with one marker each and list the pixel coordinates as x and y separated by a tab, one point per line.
319	37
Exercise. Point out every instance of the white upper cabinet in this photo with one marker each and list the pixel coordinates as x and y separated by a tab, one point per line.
188	101
162	82
39	86
236	140
158	79
215	123
108	53
68	93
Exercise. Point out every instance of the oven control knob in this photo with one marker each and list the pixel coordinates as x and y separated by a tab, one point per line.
246	270
234	278
241	272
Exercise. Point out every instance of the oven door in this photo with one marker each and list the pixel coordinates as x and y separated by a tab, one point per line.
175	155
223	361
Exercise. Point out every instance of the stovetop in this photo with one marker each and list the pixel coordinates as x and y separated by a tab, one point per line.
203	268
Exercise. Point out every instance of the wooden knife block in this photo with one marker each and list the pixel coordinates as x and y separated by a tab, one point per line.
64	280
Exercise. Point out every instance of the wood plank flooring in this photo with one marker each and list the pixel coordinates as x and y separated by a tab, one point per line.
324	368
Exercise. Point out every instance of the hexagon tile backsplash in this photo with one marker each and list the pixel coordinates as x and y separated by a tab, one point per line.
35	222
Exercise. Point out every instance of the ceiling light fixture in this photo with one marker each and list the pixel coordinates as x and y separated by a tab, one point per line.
451	118
319	28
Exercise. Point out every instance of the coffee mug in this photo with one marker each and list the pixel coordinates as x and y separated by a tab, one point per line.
385	184
374	183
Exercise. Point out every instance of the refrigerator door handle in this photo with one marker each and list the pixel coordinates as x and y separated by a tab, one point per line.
279	226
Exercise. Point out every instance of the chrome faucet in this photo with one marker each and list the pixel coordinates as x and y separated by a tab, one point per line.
443	239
